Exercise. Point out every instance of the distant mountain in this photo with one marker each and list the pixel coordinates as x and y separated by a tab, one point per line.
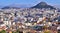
7	7
57	6
16	6
43	5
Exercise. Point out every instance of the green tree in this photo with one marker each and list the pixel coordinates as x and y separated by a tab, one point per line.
47	31
15	32
45	27
58	31
3	31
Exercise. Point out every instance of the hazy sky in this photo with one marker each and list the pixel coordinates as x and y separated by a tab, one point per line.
32	2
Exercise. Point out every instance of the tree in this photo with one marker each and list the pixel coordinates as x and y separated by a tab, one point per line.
47	31
58	31
15	32
3	31
45	27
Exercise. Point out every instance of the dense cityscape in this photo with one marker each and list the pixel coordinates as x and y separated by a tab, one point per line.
28	20
41	18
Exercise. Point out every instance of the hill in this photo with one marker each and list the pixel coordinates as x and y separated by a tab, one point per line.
43	5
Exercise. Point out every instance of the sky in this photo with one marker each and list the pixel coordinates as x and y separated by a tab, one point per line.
31	2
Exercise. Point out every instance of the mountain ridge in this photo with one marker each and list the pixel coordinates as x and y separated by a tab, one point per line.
16	6
39	5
